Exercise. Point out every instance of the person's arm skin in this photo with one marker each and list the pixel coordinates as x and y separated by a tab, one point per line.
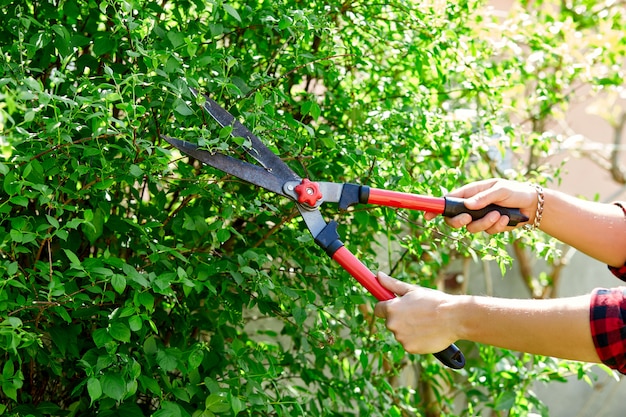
426	321
596	229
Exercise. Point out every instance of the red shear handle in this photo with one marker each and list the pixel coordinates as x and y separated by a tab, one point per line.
405	200
451	356
361	273
447	206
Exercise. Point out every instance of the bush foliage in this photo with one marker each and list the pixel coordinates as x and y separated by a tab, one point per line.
136	283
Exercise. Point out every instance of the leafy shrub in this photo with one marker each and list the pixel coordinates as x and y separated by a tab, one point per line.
136	283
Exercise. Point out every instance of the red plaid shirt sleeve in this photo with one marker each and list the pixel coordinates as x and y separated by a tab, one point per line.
619	272
608	327
608	320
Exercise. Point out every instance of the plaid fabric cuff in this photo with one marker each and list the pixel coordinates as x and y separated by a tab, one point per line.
619	272
608	330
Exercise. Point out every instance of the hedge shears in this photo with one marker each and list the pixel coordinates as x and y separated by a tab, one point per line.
276	176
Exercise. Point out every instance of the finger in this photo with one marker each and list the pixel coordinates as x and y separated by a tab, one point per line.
502	225
430	216
471	189
380	309
484	198
459	221
490	220
395	286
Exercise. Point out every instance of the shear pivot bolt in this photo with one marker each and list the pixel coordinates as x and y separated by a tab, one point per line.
308	192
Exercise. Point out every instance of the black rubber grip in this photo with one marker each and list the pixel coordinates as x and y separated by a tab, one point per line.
455	206
451	357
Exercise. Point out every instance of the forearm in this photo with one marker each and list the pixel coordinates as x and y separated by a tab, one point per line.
555	327
596	229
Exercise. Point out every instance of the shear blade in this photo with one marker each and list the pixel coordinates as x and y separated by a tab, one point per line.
257	150
248	172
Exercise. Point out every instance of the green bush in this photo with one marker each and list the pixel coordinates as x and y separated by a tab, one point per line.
133	282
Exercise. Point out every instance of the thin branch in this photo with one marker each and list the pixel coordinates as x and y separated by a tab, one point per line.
291	71
270	232
185	201
64	145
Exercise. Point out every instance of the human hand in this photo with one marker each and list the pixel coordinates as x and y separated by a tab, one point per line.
419	317
504	193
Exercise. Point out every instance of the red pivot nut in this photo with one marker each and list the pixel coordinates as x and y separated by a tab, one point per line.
308	192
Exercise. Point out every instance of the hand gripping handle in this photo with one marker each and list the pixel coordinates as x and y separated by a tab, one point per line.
450	356
454	206
447	206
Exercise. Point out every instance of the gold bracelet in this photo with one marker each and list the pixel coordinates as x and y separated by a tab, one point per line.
539	212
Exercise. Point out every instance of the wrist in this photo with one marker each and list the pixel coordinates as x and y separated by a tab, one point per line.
458	316
534	221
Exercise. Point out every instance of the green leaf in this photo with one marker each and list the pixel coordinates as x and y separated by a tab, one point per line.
118	282
62	234
62	311
258	99
299	315
177	38
120	331
181	394
146	300
126	311
101	337
9	390
150	346
246	143
504	401
169	409
136	171
8	370
93	226
315	110
16	236
217	404
102	45
236	404
135	323
223	235
12	269
113	96
72	258
183	109
195	358
94	389
113	386
19	200
231	11
225	132
13	322
167	359
150	384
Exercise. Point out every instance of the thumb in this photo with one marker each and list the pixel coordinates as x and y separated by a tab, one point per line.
395	286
